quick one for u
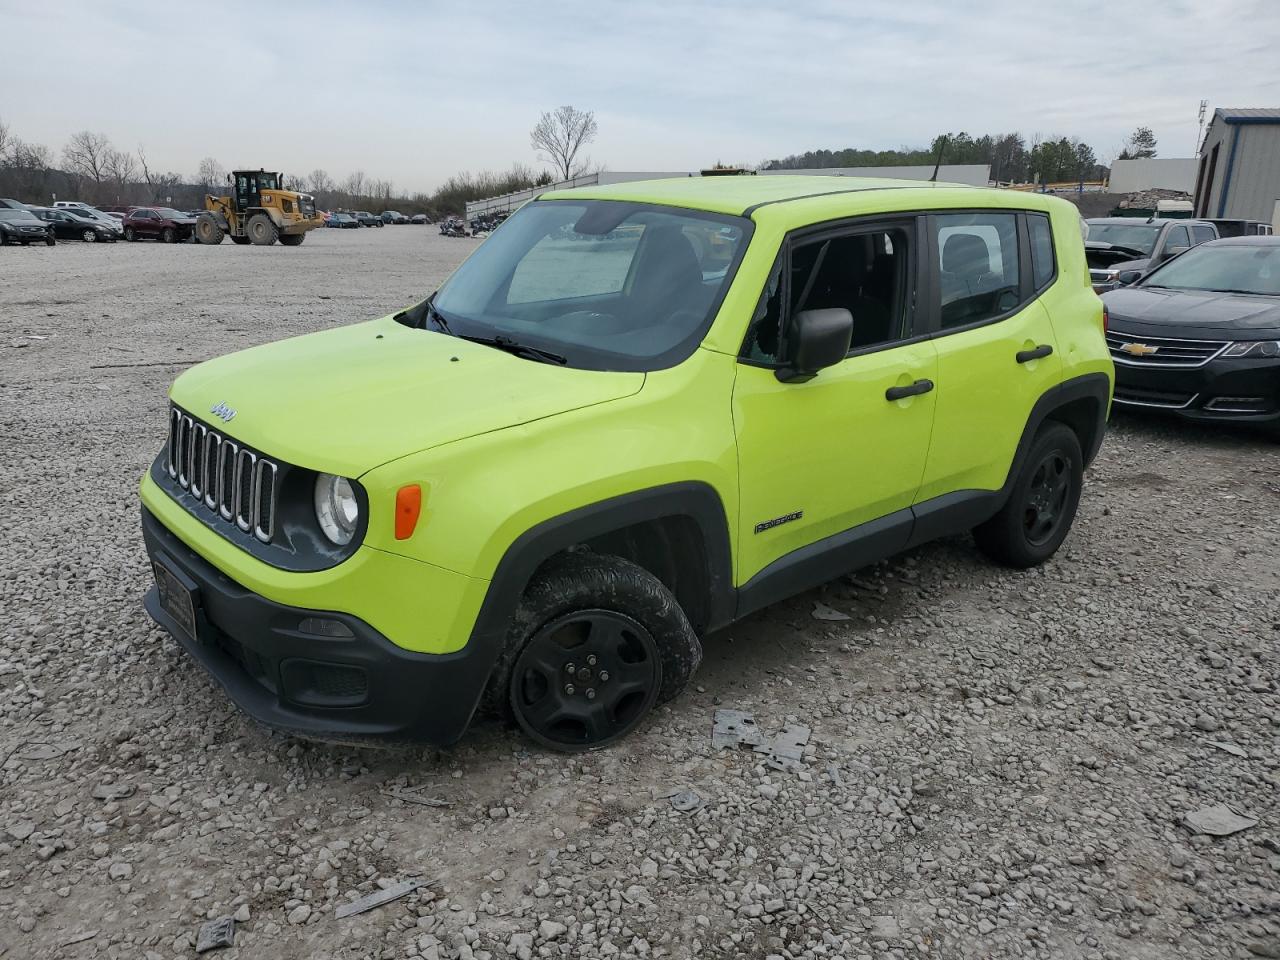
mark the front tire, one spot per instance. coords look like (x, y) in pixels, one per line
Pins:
(292, 239)
(209, 230)
(1037, 517)
(89, 236)
(129, 234)
(169, 235)
(595, 643)
(261, 231)
(49, 241)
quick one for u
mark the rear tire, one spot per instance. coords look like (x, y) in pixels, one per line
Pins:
(292, 239)
(1037, 516)
(261, 231)
(209, 230)
(621, 631)
(129, 234)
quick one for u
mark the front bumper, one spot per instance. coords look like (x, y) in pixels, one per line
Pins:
(330, 688)
(1246, 391)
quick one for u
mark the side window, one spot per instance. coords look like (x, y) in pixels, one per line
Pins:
(866, 273)
(762, 342)
(977, 266)
(1178, 237)
(1201, 233)
(1043, 265)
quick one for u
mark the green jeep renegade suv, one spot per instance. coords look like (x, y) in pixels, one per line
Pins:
(635, 414)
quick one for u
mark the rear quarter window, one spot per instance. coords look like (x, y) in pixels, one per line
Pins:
(1044, 264)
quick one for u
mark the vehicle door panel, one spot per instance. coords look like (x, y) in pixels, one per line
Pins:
(819, 458)
(985, 395)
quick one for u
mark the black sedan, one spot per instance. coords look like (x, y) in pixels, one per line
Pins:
(69, 224)
(1199, 336)
(24, 227)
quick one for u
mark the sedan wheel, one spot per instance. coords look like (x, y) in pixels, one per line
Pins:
(89, 236)
(129, 234)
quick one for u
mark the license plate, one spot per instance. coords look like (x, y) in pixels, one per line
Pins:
(175, 598)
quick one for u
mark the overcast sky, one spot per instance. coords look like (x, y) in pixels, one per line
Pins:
(414, 91)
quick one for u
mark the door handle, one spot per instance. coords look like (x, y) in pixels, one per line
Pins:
(1039, 353)
(910, 390)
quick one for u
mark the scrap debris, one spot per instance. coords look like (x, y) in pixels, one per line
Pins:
(786, 750)
(408, 796)
(686, 801)
(1218, 821)
(735, 728)
(215, 934)
(823, 612)
(379, 897)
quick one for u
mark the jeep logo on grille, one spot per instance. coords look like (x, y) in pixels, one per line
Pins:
(223, 412)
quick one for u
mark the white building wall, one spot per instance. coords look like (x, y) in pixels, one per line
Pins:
(970, 174)
(1163, 173)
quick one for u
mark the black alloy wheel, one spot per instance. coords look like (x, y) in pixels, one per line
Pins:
(1046, 500)
(586, 679)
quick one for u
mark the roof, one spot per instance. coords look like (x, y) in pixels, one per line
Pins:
(1253, 241)
(1247, 114)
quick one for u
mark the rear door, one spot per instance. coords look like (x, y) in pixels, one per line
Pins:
(997, 354)
(847, 448)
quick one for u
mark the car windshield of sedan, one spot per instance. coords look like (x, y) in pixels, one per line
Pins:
(1133, 236)
(20, 216)
(611, 285)
(1230, 268)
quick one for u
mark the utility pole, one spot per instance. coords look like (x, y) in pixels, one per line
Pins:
(1204, 106)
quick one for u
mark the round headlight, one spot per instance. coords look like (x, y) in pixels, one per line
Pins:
(337, 509)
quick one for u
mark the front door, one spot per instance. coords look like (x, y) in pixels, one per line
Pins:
(247, 194)
(997, 354)
(818, 459)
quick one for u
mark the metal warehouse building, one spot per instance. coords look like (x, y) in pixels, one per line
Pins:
(1239, 174)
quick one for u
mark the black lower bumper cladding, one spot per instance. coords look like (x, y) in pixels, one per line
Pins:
(1246, 391)
(314, 673)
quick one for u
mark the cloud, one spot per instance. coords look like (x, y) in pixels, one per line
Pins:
(417, 91)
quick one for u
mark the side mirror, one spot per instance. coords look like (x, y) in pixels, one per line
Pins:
(1126, 277)
(1172, 251)
(818, 339)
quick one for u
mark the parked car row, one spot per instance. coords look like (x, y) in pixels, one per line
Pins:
(349, 219)
(1121, 249)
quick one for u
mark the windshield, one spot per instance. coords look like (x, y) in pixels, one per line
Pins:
(1135, 236)
(268, 181)
(1236, 268)
(170, 214)
(611, 285)
(7, 213)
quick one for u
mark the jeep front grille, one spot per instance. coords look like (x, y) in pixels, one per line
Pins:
(223, 476)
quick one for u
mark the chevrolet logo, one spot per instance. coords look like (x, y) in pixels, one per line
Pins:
(1139, 349)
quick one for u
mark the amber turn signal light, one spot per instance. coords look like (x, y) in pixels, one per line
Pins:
(408, 506)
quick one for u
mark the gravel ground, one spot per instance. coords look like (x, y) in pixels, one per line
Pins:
(1000, 763)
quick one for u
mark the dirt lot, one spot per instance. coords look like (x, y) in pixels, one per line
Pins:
(1000, 766)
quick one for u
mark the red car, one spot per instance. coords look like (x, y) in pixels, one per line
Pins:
(157, 223)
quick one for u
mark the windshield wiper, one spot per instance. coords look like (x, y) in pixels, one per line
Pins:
(426, 310)
(501, 342)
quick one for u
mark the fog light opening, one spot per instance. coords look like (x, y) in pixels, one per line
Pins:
(324, 627)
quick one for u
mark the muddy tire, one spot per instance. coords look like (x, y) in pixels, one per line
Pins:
(261, 231)
(292, 239)
(594, 645)
(209, 230)
(1037, 516)
(239, 241)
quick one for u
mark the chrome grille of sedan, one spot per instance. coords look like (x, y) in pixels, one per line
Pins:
(223, 476)
(1138, 350)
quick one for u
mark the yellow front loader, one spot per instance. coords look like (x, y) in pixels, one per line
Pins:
(258, 211)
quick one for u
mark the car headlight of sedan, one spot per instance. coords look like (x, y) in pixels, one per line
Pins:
(337, 509)
(1254, 349)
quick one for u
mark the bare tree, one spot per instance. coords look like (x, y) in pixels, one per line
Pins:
(560, 135)
(121, 170)
(209, 172)
(86, 156)
(5, 140)
(320, 181)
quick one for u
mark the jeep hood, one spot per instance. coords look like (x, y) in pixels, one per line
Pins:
(347, 400)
